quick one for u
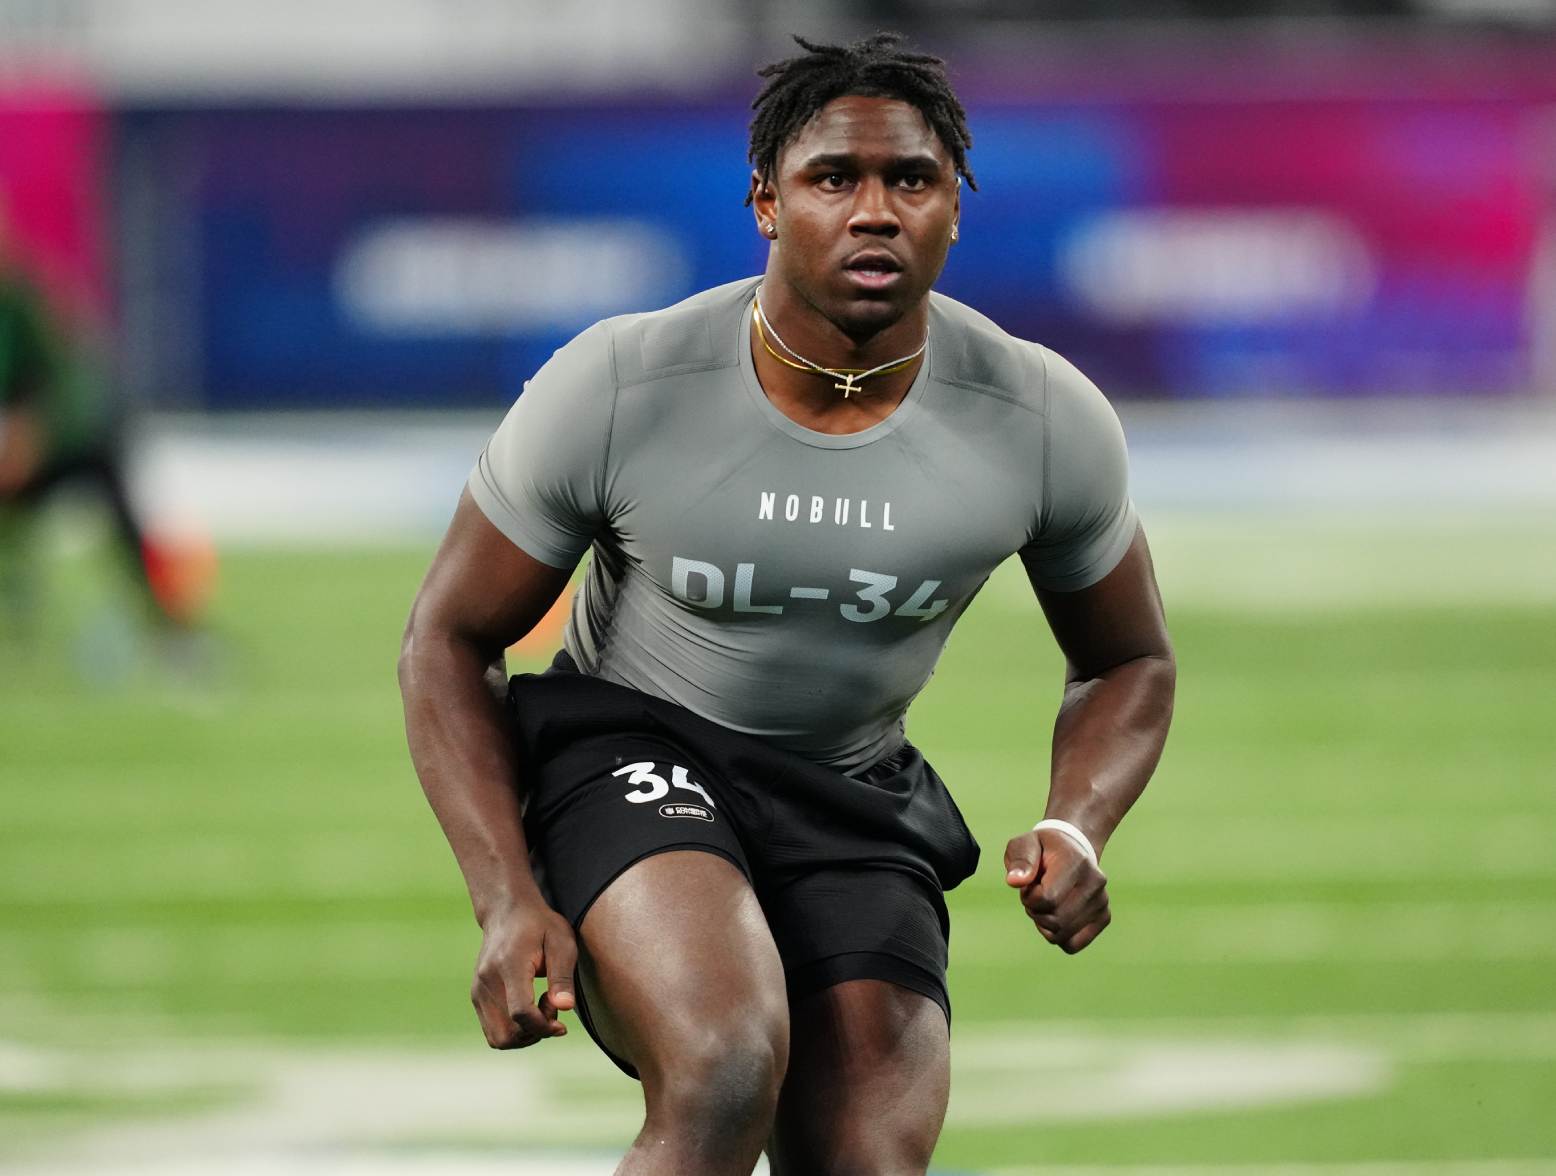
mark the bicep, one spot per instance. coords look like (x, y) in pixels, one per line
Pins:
(482, 588)
(1115, 620)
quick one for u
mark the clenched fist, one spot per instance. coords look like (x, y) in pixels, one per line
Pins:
(1062, 887)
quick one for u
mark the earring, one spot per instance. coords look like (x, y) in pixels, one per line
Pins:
(772, 229)
(954, 232)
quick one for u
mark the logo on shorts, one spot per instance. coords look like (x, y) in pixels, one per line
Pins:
(695, 811)
(649, 785)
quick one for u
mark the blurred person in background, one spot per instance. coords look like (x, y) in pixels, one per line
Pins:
(61, 426)
(732, 837)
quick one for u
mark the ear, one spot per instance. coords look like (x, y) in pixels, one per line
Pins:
(764, 204)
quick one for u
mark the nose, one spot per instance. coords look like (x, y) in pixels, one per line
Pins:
(873, 213)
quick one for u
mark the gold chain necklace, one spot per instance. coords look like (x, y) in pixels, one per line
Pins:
(850, 377)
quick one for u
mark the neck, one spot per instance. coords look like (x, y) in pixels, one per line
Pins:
(839, 344)
(826, 402)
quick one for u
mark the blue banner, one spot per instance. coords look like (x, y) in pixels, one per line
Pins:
(418, 258)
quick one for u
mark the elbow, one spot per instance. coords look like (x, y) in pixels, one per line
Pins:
(1161, 674)
(1153, 681)
(405, 664)
(432, 655)
(402, 665)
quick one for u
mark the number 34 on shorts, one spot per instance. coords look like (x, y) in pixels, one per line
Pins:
(648, 784)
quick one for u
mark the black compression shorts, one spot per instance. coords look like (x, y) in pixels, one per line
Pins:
(849, 870)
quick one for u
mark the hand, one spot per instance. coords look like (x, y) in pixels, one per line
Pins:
(1063, 891)
(516, 947)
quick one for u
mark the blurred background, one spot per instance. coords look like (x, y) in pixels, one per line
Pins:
(269, 275)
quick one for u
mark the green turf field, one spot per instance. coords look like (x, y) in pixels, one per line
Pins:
(1335, 910)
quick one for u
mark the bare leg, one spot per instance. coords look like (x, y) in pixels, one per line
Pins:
(683, 981)
(867, 1086)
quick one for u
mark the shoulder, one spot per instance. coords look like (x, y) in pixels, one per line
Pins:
(699, 333)
(972, 351)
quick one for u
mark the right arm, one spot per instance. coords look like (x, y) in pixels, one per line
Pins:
(481, 595)
(533, 505)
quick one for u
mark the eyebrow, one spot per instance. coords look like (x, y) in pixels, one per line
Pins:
(845, 159)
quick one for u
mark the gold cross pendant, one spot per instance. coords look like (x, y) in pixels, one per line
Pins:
(846, 386)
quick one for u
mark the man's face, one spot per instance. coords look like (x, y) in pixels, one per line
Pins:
(864, 199)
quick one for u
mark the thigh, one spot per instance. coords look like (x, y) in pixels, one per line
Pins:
(867, 1083)
(641, 850)
(869, 1017)
(680, 974)
(861, 923)
(607, 803)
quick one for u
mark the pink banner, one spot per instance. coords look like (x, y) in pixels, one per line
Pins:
(51, 193)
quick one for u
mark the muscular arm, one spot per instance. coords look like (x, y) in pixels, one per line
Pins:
(481, 594)
(1112, 724)
(1118, 693)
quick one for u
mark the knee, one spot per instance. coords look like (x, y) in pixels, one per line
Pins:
(905, 1153)
(719, 1083)
(895, 1149)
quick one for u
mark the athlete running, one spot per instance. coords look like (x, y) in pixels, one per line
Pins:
(704, 826)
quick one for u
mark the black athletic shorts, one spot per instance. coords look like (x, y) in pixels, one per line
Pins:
(849, 870)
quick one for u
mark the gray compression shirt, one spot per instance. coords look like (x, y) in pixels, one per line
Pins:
(789, 584)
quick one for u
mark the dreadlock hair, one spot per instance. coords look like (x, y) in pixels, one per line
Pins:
(874, 68)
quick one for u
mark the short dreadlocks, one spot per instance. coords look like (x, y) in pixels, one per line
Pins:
(873, 67)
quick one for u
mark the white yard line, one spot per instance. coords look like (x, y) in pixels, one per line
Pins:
(345, 1112)
(1406, 1037)
(357, 1107)
(1084, 1081)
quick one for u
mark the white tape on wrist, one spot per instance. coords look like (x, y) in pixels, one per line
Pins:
(1070, 831)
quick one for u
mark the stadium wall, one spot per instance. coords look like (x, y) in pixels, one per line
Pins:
(1232, 238)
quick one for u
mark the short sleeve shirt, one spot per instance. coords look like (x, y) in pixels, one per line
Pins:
(794, 585)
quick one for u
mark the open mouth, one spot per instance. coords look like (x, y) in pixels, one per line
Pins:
(873, 263)
(873, 270)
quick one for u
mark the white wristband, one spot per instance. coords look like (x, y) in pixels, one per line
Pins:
(1070, 831)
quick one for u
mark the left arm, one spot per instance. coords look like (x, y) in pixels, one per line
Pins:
(1112, 724)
